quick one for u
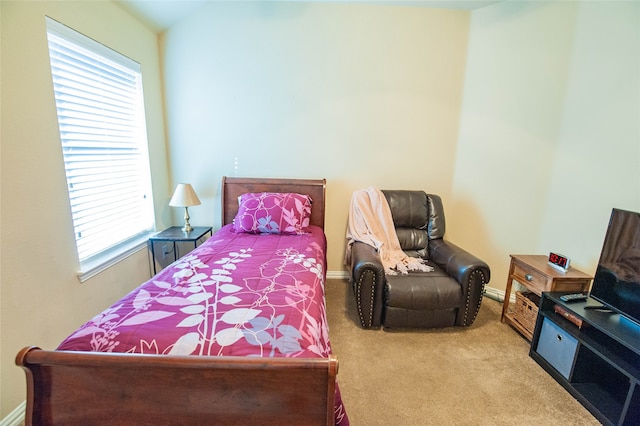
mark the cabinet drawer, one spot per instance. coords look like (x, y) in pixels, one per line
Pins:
(557, 347)
(533, 279)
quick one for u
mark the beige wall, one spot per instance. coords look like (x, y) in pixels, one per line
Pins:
(550, 130)
(358, 94)
(490, 109)
(524, 118)
(42, 301)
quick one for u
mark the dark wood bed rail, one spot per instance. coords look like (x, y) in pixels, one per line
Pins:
(81, 388)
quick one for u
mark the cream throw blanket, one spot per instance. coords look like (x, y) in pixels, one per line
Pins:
(370, 222)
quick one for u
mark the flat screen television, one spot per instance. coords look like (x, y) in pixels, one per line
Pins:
(617, 280)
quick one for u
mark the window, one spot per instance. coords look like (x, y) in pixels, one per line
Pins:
(100, 109)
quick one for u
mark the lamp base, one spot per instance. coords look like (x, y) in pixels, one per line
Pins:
(187, 227)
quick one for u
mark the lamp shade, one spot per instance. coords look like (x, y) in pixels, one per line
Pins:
(184, 196)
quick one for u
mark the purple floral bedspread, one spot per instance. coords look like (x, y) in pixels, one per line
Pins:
(237, 294)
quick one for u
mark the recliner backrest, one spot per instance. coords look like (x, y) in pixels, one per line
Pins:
(418, 218)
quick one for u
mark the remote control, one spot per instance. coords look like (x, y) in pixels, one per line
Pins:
(574, 297)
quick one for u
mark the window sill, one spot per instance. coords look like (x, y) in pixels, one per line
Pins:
(98, 264)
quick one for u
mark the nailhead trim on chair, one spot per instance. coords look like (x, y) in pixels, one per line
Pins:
(466, 309)
(370, 323)
(358, 294)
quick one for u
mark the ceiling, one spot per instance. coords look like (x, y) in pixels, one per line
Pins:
(160, 15)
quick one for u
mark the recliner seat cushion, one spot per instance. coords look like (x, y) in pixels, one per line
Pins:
(423, 291)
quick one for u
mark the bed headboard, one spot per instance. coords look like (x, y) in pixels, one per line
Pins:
(233, 187)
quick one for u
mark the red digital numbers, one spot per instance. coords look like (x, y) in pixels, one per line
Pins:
(558, 260)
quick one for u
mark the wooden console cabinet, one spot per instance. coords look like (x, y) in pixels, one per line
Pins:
(533, 272)
(597, 362)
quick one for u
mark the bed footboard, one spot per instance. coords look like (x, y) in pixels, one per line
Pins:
(74, 388)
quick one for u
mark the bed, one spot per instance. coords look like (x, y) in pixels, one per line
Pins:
(249, 302)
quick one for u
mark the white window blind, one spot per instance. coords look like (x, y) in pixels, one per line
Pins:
(100, 109)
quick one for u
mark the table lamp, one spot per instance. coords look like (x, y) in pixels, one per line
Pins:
(185, 196)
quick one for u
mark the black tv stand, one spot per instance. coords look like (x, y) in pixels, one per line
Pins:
(593, 354)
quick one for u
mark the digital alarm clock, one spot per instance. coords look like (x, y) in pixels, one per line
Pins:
(559, 261)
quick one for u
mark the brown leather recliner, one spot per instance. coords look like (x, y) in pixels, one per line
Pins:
(448, 296)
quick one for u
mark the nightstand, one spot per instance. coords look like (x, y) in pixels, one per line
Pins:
(174, 235)
(535, 273)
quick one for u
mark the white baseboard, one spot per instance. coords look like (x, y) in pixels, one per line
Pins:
(16, 417)
(337, 275)
(495, 294)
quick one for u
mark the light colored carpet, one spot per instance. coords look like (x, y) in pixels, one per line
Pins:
(480, 375)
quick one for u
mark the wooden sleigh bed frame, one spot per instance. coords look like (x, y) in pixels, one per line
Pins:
(73, 388)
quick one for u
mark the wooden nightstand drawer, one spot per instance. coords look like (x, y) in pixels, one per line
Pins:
(534, 280)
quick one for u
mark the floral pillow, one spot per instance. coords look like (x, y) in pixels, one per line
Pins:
(273, 213)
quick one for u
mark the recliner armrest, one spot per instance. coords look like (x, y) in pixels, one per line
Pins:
(367, 274)
(471, 272)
